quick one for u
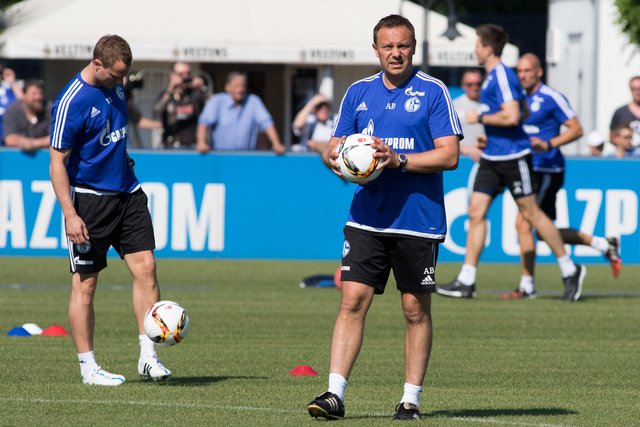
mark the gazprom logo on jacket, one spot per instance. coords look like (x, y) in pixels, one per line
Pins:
(369, 129)
(410, 92)
(402, 143)
(107, 137)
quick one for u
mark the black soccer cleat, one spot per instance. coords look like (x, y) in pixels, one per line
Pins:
(406, 411)
(328, 406)
(573, 284)
(457, 289)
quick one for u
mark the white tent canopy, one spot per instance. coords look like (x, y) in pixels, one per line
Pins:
(240, 31)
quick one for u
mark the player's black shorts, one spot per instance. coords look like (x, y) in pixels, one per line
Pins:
(121, 220)
(548, 184)
(516, 174)
(369, 257)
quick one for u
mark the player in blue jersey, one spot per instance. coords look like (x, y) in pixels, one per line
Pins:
(396, 221)
(505, 162)
(102, 202)
(549, 111)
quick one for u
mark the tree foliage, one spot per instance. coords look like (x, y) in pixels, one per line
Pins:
(629, 19)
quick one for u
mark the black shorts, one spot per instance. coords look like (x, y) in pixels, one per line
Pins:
(548, 183)
(369, 257)
(122, 221)
(515, 174)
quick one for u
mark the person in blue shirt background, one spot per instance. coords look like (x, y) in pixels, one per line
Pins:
(396, 221)
(235, 119)
(102, 202)
(549, 113)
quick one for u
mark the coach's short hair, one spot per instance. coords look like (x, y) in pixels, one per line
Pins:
(111, 49)
(493, 35)
(393, 21)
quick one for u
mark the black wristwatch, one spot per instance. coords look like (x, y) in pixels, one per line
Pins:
(403, 162)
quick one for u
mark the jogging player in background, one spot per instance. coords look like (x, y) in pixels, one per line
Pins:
(506, 161)
(102, 201)
(396, 221)
(549, 111)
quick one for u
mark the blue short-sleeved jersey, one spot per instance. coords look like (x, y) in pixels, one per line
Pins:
(501, 85)
(408, 118)
(92, 122)
(548, 110)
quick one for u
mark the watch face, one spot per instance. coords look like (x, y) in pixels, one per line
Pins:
(403, 161)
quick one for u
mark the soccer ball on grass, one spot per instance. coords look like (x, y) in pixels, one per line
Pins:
(166, 323)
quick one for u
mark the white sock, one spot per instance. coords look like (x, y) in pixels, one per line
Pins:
(411, 394)
(527, 284)
(567, 267)
(147, 347)
(467, 275)
(337, 385)
(600, 244)
(87, 363)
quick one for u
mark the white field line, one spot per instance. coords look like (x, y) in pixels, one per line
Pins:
(140, 403)
(246, 408)
(505, 422)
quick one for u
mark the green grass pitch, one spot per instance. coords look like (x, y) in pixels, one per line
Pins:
(494, 363)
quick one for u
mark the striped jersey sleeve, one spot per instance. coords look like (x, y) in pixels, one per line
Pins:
(445, 120)
(564, 111)
(66, 122)
(508, 90)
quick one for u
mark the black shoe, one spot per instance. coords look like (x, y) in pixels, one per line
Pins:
(573, 284)
(457, 289)
(407, 411)
(613, 256)
(328, 406)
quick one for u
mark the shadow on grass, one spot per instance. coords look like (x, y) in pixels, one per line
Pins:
(388, 416)
(611, 295)
(593, 297)
(477, 413)
(203, 380)
(505, 412)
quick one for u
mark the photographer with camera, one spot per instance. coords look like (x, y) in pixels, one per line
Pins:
(179, 106)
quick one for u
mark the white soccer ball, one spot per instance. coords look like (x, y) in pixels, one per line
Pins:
(166, 323)
(355, 159)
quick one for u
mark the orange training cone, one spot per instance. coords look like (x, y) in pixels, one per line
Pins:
(55, 331)
(303, 370)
